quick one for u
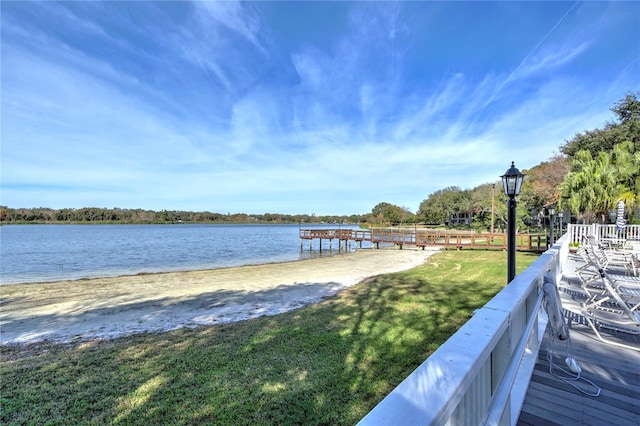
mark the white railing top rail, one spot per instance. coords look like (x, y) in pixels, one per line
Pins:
(485, 366)
(630, 233)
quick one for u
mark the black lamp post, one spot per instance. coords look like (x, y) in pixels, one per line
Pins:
(512, 181)
(561, 222)
(552, 224)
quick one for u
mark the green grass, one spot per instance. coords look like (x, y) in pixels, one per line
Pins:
(328, 363)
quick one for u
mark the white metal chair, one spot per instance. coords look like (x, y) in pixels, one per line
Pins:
(613, 300)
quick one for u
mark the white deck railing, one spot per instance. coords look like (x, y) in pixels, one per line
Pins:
(630, 233)
(481, 374)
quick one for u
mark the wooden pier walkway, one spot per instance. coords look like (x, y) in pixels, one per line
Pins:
(423, 238)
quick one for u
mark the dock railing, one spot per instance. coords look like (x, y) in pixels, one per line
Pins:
(481, 374)
(425, 238)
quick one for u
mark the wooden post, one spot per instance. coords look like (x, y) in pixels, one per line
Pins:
(493, 190)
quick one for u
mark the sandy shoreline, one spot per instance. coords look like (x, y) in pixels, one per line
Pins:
(102, 308)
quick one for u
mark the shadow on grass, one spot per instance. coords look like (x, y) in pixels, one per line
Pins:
(327, 363)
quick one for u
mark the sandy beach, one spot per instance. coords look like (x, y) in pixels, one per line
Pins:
(103, 308)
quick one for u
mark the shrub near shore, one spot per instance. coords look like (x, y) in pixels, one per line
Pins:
(327, 363)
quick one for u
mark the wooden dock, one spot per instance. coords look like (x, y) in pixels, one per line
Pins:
(422, 239)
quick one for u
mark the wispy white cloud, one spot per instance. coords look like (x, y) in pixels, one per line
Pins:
(234, 15)
(543, 56)
(223, 37)
(547, 60)
(220, 116)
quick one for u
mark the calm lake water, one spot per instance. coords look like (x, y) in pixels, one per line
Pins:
(33, 253)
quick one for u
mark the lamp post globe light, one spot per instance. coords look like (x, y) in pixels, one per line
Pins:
(512, 182)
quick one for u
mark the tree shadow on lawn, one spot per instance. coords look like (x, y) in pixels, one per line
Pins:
(327, 363)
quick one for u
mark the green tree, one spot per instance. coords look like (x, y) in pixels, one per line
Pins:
(592, 187)
(625, 129)
(484, 200)
(441, 205)
(540, 186)
(388, 213)
(627, 164)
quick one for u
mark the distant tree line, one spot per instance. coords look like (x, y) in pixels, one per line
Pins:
(118, 215)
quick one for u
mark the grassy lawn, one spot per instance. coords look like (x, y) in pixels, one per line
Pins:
(328, 363)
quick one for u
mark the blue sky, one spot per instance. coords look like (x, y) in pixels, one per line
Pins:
(297, 107)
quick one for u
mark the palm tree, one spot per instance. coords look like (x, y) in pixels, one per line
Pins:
(596, 184)
(592, 186)
(628, 167)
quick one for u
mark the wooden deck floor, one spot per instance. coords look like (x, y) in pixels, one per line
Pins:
(615, 370)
